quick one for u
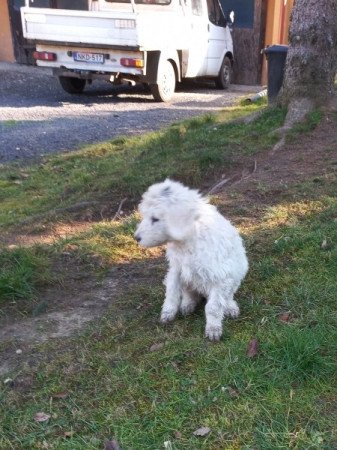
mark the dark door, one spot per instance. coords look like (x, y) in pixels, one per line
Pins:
(23, 49)
(248, 38)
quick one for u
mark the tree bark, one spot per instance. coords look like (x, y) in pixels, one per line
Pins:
(312, 58)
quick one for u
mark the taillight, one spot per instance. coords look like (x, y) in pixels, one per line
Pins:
(44, 56)
(132, 62)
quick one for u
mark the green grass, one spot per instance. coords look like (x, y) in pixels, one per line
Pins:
(22, 272)
(310, 124)
(9, 123)
(116, 386)
(284, 398)
(125, 167)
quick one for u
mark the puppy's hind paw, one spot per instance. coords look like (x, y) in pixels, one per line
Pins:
(213, 333)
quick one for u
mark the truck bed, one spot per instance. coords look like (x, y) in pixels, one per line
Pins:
(80, 27)
(143, 29)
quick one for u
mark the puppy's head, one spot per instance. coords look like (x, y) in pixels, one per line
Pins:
(169, 211)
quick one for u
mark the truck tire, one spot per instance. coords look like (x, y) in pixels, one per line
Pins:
(223, 80)
(163, 91)
(72, 85)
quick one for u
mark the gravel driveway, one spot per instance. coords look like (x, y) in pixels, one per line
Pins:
(37, 117)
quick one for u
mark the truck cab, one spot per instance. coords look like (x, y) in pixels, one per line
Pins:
(156, 42)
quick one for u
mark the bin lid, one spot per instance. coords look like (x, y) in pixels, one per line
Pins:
(276, 49)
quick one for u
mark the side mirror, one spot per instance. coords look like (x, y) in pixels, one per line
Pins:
(230, 21)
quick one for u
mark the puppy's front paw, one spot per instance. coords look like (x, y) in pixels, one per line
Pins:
(213, 333)
(167, 315)
(232, 310)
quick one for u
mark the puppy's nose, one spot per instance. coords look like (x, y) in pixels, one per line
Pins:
(138, 238)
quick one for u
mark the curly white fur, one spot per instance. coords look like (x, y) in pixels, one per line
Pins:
(205, 252)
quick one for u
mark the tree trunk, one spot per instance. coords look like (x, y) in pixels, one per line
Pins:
(312, 57)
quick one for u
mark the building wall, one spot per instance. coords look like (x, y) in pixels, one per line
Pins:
(6, 43)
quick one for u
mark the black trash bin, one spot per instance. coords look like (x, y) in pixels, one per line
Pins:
(276, 59)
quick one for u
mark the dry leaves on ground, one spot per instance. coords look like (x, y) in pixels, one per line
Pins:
(253, 348)
(41, 417)
(112, 445)
(203, 431)
(285, 317)
(60, 395)
(156, 347)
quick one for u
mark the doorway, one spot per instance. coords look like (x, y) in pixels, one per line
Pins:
(248, 38)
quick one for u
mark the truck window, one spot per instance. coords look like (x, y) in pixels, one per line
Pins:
(36, 3)
(142, 2)
(215, 13)
(196, 7)
(74, 4)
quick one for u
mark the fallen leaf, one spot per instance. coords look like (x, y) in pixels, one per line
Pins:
(112, 445)
(233, 392)
(41, 417)
(203, 431)
(60, 395)
(68, 434)
(253, 348)
(324, 244)
(284, 317)
(43, 445)
(156, 347)
(178, 435)
(71, 247)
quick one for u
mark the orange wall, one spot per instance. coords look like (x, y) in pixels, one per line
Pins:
(6, 43)
(277, 26)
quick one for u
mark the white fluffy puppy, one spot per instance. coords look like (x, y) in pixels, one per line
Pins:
(205, 252)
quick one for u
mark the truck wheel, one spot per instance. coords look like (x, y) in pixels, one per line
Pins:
(223, 80)
(164, 90)
(72, 85)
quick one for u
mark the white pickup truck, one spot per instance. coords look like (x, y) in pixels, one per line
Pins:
(155, 42)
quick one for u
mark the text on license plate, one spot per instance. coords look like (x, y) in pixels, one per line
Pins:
(88, 57)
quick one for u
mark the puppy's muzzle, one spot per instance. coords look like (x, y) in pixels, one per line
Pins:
(137, 237)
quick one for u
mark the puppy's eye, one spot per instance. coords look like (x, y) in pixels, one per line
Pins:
(154, 219)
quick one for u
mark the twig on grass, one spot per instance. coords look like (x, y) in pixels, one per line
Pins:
(220, 184)
(119, 209)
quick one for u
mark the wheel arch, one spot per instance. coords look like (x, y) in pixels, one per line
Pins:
(153, 60)
(230, 56)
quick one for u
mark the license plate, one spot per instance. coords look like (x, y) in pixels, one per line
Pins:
(88, 57)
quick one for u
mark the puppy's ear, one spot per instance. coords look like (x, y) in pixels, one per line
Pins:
(166, 192)
(180, 220)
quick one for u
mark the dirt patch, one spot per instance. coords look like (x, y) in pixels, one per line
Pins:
(256, 183)
(69, 314)
(70, 307)
(264, 179)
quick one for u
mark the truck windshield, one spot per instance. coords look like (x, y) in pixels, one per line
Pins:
(142, 2)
